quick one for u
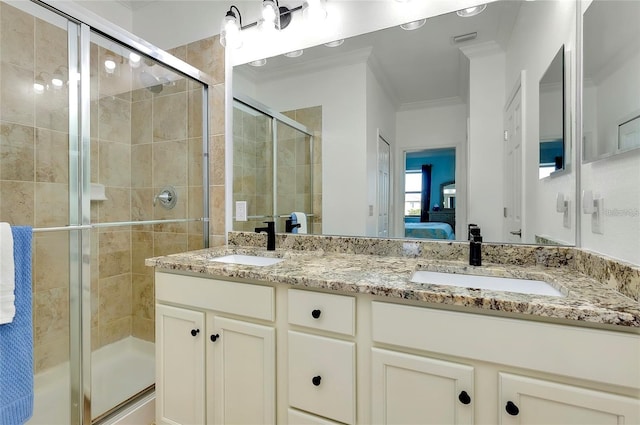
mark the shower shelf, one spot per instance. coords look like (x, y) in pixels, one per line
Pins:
(98, 192)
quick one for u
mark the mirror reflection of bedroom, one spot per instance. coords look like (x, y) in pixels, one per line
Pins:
(430, 194)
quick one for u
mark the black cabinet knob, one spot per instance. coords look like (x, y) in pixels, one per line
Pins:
(464, 398)
(512, 409)
(316, 313)
(316, 380)
(195, 332)
(214, 337)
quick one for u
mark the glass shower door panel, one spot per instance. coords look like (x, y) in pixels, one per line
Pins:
(147, 168)
(34, 183)
(294, 175)
(252, 165)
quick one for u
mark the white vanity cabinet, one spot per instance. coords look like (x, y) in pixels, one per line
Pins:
(529, 401)
(215, 356)
(321, 367)
(410, 389)
(535, 373)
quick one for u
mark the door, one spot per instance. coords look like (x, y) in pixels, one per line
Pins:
(408, 389)
(241, 378)
(513, 167)
(180, 387)
(384, 197)
(532, 401)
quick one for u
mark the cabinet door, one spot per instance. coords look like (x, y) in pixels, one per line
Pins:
(241, 374)
(533, 401)
(408, 389)
(179, 365)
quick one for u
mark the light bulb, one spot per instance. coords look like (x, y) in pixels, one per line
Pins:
(269, 12)
(134, 60)
(109, 65)
(410, 26)
(471, 11)
(294, 54)
(230, 31)
(56, 82)
(259, 62)
(38, 87)
(314, 11)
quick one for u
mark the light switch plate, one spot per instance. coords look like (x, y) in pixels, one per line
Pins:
(241, 210)
(597, 216)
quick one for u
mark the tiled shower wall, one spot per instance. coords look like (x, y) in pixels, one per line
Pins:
(140, 142)
(253, 172)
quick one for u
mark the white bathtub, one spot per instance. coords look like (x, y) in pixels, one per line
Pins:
(119, 371)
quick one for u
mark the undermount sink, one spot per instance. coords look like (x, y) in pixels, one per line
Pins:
(523, 286)
(247, 260)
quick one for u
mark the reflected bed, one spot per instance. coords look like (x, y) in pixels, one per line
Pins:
(429, 230)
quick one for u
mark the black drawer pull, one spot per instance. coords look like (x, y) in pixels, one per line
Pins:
(316, 314)
(464, 398)
(512, 409)
(316, 380)
(195, 332)
(214, 337)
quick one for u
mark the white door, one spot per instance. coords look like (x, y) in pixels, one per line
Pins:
(180, 387)
(384, 196)
(408, 389)
(513, 167)
(241, 378)
(532, 401)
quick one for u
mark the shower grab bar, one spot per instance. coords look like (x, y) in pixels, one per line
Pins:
(116, 224)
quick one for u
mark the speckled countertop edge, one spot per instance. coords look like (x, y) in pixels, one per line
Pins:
(587, 301)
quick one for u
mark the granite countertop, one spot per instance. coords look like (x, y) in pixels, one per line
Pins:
(586, 301)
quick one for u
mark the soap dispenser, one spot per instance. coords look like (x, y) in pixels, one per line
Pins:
(475, 246)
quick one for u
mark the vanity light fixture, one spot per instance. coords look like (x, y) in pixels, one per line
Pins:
(294, 54)
(134, 60)
(39, 85)
(410, 26)
(58, 79)
(335, 43)
(110, 64)
(471, 11)
(274, 17)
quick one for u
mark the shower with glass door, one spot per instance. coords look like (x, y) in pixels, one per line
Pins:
(103, 141)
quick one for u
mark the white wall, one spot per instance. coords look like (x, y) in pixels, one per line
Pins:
(485, 147)
(541, 28)
(341, 92)
(440, 126)
(381, 116)
(615, 179)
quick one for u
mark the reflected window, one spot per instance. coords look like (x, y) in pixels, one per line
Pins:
(412, 192)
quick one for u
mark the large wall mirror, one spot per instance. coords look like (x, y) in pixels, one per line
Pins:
(611, 87)
(454, 83)
(552, 118)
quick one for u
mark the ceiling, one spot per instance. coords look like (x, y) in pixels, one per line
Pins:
(402, 59)
(135, 4)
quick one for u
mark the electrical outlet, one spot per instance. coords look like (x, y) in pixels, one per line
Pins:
(241, 210)
(370, 210)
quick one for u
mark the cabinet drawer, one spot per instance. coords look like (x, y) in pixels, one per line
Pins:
(322, 376)
(243, 299)
(327, 312)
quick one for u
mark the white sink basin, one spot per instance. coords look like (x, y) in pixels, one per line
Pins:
(523, 286)
(247, 260)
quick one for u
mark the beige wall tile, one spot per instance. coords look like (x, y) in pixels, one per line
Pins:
(16, 105)
(194, 161)
(52, 204)
(51, 259)
(144, 329)
(170, 163)
(207, 55)
(115, 331)
(216, 109)
(142, 204)
(217, 160)
(52, 156)
(141, 172)
(115, 298)
(141, 122)
(143, 296)
(115, 253)
(169, 243)
(17, 202)
(16, 36)
(51, 314)
(141, 248)
(117, 207)
(169, 117)
(194, 120)
(17, 152)
(114, 120)
(49, 354)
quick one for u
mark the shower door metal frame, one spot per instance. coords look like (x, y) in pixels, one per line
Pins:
(80, 26)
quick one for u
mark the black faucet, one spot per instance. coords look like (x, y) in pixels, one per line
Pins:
(271, 234)
(289, 226)
(475, 246)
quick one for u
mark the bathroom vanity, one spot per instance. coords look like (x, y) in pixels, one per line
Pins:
(331, 338)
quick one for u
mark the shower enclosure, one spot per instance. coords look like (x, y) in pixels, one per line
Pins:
(103, 140)
(277, 166)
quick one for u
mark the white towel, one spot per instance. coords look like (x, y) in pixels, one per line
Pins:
(302, 220)
(7, 275)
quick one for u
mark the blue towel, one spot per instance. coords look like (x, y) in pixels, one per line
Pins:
(294, 221)
(16, 340)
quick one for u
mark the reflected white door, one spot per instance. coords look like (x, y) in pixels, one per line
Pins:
(513, 167)
(384, 198)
